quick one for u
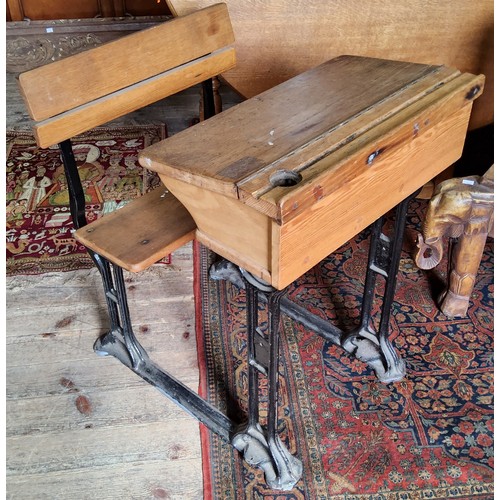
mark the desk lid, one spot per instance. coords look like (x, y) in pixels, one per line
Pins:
(286, 148)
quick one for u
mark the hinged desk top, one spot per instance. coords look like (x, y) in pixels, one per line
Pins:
(294, 126)
(357, 134)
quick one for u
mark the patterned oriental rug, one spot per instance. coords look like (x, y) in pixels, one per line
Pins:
(428, 436)
(39, 226)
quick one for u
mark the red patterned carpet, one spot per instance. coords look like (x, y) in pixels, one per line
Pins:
(428, 436)
(38, 220)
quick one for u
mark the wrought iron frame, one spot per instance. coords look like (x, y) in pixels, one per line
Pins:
(260, 447)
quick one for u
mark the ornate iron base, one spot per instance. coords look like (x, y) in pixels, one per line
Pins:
(262, 447)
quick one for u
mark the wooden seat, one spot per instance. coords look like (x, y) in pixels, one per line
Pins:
(86, 90)
(142, 232)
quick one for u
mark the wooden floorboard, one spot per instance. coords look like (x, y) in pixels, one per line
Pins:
(80, 426)
(146, 479)
(117, 406)
(76, 422)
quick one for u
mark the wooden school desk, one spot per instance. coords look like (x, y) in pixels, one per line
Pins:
(280, 181)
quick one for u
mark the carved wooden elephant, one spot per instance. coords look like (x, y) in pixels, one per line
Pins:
(459, 208)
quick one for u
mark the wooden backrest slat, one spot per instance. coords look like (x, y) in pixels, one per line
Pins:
(82, 78)
(99, 111)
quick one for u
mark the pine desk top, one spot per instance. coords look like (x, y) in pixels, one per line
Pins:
(347, 140)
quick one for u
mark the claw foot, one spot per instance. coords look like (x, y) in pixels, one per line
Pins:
(281, 469)
(363, 344)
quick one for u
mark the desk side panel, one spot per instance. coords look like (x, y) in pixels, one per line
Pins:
(336, 218)
(227, 226)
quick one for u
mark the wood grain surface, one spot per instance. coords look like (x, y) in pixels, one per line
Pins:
(82, 426)
(350, 102)
(88, 89)
(147, 229)
(292, 187)
(280, 39)
(82, 78)
(139, 95)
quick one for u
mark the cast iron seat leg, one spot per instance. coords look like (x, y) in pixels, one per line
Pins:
(77, 209)
(369, 343)
(116, 301)
(263, 448)
(120, 341)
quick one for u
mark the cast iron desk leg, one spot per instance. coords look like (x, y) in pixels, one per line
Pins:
(264, 448)
(120, 339)
(368, 344)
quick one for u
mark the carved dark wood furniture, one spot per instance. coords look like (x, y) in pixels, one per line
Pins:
(40, 32)
(273, 185)
(17, 10)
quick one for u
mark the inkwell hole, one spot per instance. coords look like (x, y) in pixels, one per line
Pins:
(285, 178)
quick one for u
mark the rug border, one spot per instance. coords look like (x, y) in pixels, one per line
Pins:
(202, 365)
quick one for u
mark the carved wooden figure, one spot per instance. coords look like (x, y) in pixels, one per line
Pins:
(459, 208)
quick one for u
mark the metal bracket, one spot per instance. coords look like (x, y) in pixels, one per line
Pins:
(260, 352)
